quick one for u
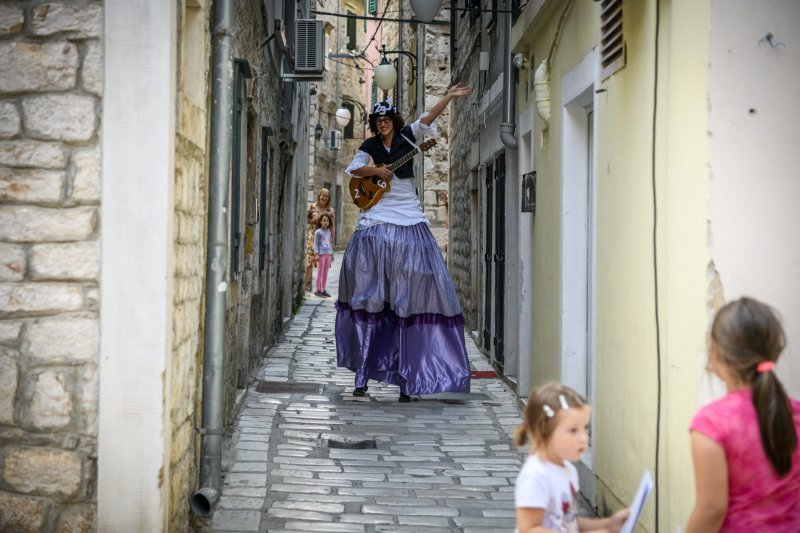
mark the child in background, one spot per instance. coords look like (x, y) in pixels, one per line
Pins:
(324, 252)
(557, 423)
(744, 445)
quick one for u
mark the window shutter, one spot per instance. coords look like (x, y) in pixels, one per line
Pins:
(372, 7)
(374, 93)
(612, 43)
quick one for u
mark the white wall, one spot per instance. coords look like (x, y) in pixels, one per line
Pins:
(754, 124)
(137, 264)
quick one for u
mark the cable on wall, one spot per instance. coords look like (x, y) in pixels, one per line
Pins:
(655, 265)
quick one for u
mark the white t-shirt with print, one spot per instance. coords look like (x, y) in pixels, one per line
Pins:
(545, 485)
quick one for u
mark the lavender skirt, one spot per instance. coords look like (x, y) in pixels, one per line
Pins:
(398, 318)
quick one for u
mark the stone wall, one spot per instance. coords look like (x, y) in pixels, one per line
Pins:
(351, 75)
(50, 95)
(465, 130)
(191, 207)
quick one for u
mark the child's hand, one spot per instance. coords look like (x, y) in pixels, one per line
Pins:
(618, 519)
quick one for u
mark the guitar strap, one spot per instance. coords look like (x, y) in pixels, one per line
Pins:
(411, 142)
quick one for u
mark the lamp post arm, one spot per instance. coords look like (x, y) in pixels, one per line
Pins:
(410, 55)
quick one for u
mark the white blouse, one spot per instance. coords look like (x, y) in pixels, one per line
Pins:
(400, 205)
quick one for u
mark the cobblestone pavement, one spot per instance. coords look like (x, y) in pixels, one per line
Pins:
(308, 456)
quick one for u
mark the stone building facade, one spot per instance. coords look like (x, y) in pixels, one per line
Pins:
(56, 111)
(50, 94)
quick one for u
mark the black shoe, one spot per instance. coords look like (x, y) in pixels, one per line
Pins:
(317, 293)
(325, 294)
(404, 398)
(360, 391)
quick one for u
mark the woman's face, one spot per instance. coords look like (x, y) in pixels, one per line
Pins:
(324, 198)
(385, 125)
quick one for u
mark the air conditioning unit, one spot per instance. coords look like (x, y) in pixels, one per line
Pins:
(309, 46)
(335, 140)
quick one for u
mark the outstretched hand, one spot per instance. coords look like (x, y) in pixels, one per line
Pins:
(459, 90)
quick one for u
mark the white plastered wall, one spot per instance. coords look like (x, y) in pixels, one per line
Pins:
(137, 264)
(754, 88)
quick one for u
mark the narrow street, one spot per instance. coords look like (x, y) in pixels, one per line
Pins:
(308, 456)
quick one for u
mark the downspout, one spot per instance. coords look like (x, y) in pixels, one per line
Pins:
(508, 125)
(204, 500)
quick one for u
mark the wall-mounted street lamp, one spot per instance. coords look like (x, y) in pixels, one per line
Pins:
(343, 116)
(318, 131)
(346, 112)
(385, 73)
(426, 10)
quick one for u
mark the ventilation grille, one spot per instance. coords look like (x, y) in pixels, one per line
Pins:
(309, 46)
(612, 43)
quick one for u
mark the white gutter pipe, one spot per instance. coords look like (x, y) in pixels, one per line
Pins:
(508, 125)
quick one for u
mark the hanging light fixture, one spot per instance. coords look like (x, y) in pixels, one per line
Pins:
(385, 74)
(426, 10)
(343, 116)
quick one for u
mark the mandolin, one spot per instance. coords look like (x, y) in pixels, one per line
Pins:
(366, 191)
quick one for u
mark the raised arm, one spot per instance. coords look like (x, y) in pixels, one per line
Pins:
(455, 90)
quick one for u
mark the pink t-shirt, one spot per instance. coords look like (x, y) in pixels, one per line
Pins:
(758, 500)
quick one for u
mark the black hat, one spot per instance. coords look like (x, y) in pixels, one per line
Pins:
(382, 108)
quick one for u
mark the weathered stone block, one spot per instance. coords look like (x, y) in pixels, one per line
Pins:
(61, 117)
(51, 403)
(63, 340)
(9, 332)
(12, 262)
(430, 198)
(12, 18)
(21, 514)
(88, 402)
(63, 261)
(9, 120)
(31, 185)
(9, 376)
(92, 70)
(86, 186)
(39, 297)
(25, 153)
(30, 66)
(43, 471)
(27, 223)
(78, 20)
(77, 519)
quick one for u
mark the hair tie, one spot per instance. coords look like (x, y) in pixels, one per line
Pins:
(765, 366)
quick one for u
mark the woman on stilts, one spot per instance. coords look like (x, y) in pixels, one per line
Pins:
(398, 318)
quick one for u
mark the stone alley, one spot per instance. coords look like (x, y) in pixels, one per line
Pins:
(306, 455)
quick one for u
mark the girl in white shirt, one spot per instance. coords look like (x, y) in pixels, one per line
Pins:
(557, 424)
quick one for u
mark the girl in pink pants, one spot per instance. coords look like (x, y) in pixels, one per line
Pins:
(323, 248)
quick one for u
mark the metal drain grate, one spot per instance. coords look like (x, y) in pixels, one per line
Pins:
(280, 386)
(350, 444)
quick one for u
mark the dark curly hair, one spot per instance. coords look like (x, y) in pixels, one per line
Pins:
(397, 120)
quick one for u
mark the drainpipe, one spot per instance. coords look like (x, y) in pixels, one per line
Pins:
(204, 500)
(508, 125)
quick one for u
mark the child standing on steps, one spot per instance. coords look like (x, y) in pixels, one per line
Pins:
(324, 252)
(745, 444)
(557, 424)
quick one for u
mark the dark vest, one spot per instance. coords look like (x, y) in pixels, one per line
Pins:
(400, 147)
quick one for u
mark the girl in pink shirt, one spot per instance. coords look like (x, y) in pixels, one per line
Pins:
(744, 445)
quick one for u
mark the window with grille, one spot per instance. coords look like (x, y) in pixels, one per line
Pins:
(612, 43)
